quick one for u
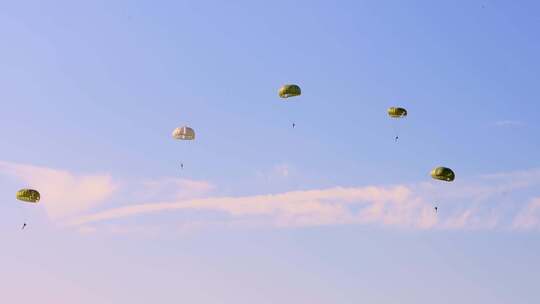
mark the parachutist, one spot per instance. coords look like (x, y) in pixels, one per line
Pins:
(397, 113)
(436, 209)
(24, 225)
(293, 125)
(181, 166)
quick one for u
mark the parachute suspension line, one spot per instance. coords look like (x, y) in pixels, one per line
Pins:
(396, 114)
(184, 133)
(21, 212)
(395, 128)
(443, 174)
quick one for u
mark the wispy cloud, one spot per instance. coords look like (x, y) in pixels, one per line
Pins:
(282, 170)
(62, 193)
(65, 194)
(471, 204)
(278, 172)
(377, 205)
(508, 123)
(172, 188)
(529, 217)
(468, 203)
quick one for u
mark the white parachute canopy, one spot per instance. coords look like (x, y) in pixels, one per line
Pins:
(183, 133)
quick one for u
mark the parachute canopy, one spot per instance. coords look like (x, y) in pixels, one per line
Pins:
(395, 112)
(28, 195)
(289, 90)
(184, 133)
(443, 173)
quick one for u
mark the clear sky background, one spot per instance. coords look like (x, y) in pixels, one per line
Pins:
(332, 211)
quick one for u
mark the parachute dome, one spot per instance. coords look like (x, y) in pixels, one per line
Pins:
(443, 173)
(28, 195)
(184, 133)
(397, 112)
(289, 90)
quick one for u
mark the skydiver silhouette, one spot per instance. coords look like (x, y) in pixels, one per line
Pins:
(397, 137)
(436, 209)
(181, 165)
(24, 225)
(293, 124)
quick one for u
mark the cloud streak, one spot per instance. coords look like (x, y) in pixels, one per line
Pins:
(474, 203)
(508, 123)
(62, 193)
(529, 217)
(470, 203)
(392, 206)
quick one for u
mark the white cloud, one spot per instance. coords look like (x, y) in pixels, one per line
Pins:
(282, 170)
(62, 193)
(529, 217)
(173, 188)
(508, 123)
(392, 206)
(65, 194)
(277, 173)
(469, 204)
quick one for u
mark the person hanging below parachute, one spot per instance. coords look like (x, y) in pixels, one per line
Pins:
(290, 90)
(183, 133)
(443, 174)
(28, 196)
(397, 113)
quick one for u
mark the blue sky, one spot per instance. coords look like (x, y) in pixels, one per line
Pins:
(332, 211)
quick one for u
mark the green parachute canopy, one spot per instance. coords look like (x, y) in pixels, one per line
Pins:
(289, 90)
(183, 133)
(396, 112)
(443, 173)
(28, 195)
